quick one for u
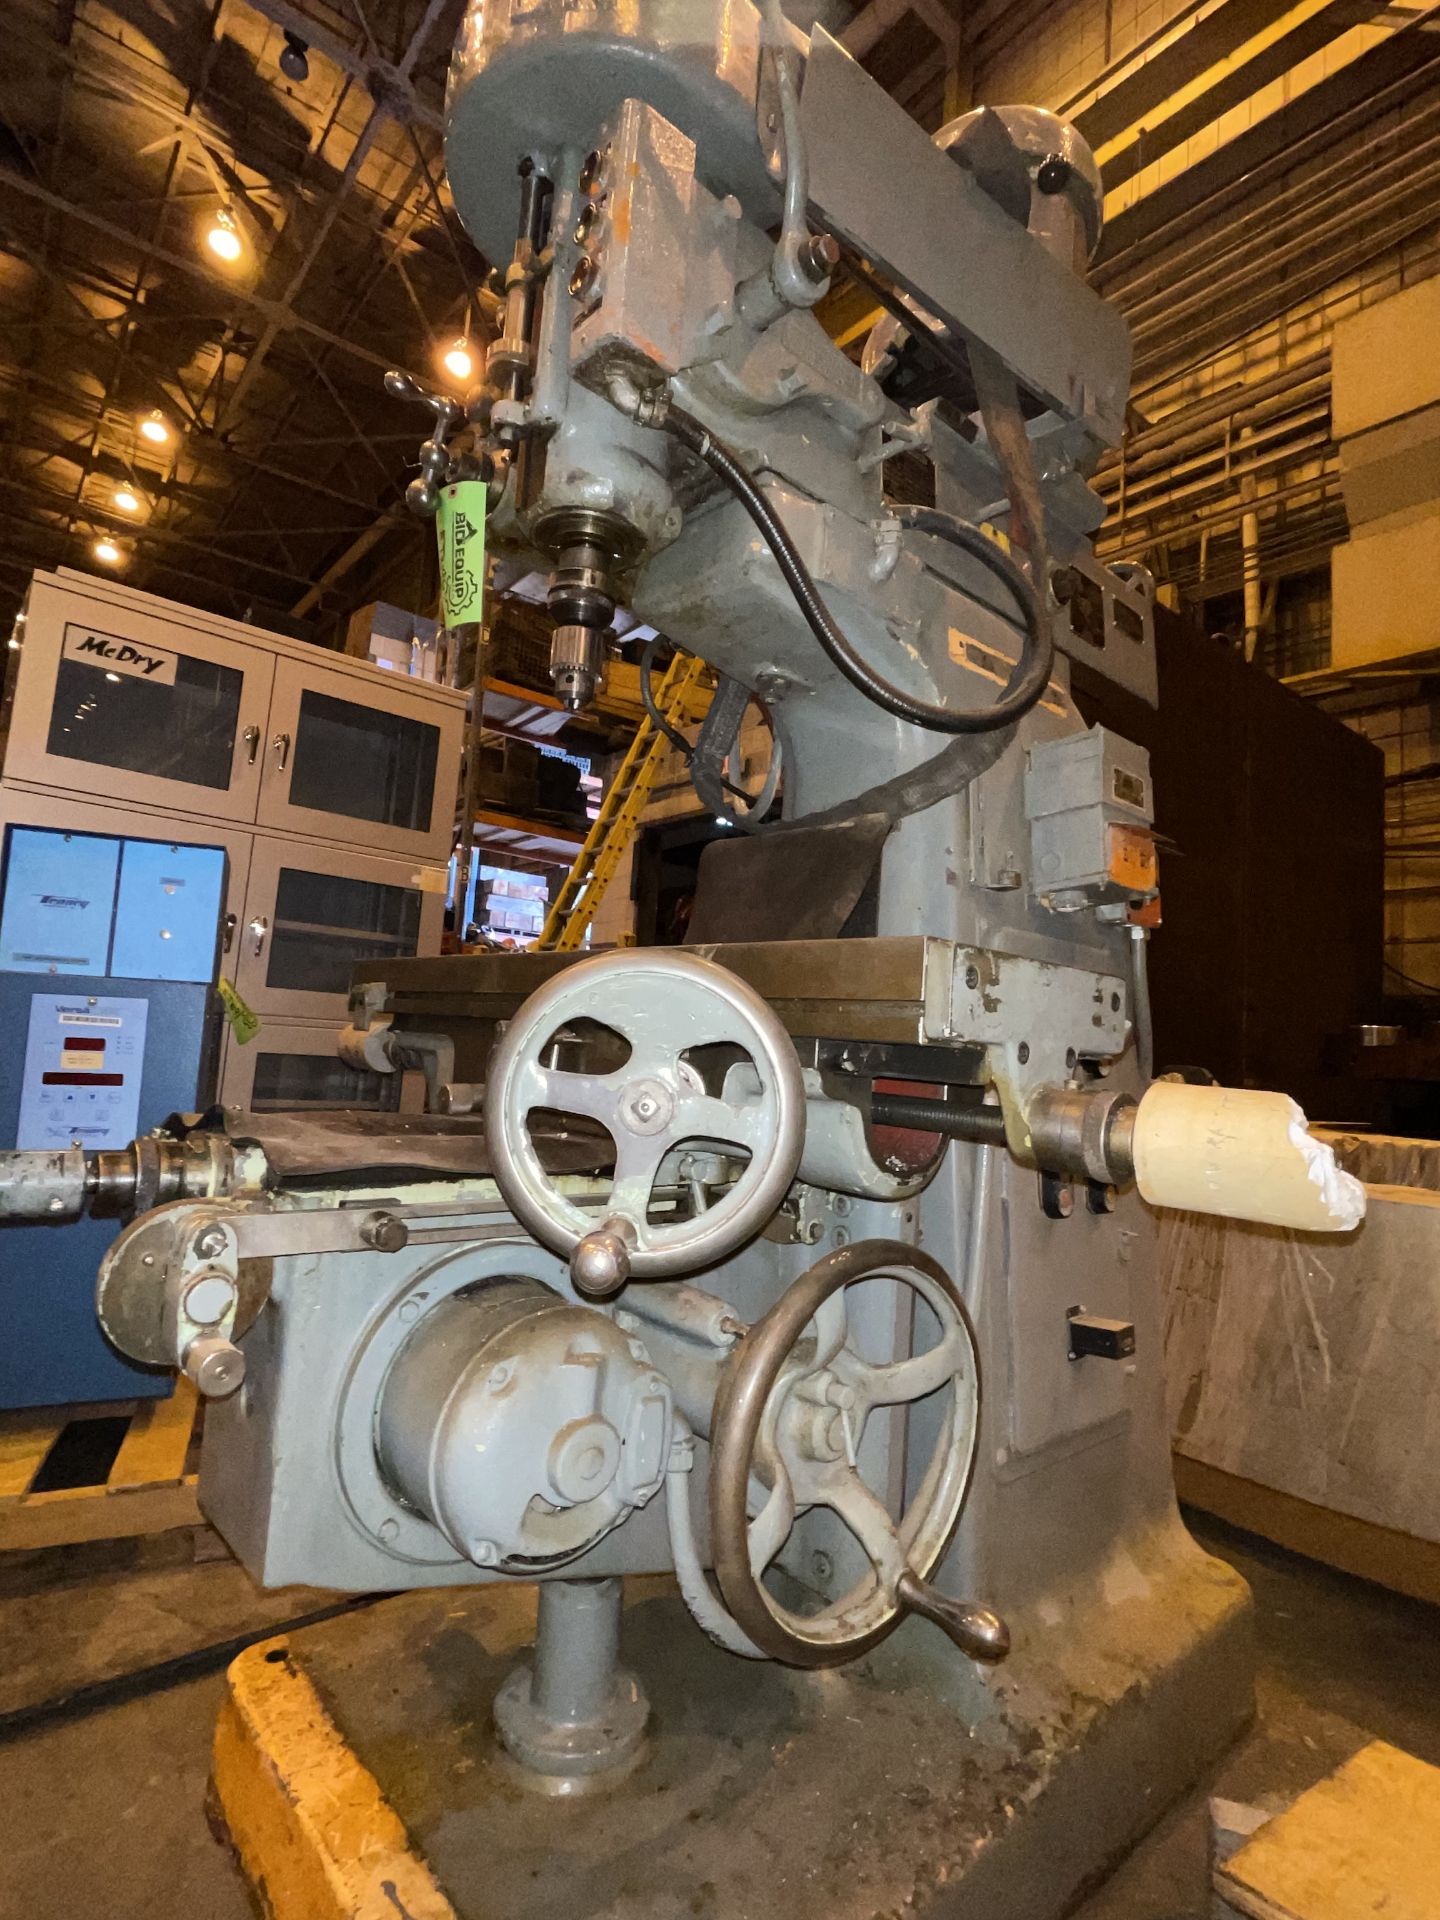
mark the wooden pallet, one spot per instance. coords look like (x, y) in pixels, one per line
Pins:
(147, 1488)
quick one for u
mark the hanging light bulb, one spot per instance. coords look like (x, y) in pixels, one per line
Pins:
(156, 428)
(127, 500)
(107, 551)
(223, 236)
(294, 60)
(458, 359)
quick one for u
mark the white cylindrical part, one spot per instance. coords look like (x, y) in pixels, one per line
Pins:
(1243, 1154)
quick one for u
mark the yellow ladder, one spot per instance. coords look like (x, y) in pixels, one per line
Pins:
(614, 826)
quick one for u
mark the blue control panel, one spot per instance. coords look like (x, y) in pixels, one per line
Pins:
(109, 947)
(89, 903)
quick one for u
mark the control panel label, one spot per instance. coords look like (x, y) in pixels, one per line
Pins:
(84, 1060)
(115, 656)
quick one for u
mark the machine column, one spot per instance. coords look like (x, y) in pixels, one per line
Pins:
(574, 1713)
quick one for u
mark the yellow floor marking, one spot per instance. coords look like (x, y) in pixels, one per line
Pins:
(316, 1837)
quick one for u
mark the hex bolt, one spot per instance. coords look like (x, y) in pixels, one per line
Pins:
(215, 1365)
(819, 256)
(484, 1553)
(209, 1243)
(208, 1298)
(972, 977)
(500, 1375)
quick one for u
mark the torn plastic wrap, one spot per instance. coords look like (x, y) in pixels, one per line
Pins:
(1241, 1153)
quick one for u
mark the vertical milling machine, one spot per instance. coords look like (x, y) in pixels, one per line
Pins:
(813, 1262)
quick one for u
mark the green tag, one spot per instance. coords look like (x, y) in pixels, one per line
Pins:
(244, 1021)
(460, 531)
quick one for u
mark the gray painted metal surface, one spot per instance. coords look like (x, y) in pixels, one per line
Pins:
(383, 1289)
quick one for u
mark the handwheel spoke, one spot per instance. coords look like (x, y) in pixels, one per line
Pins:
(899, 1381)
(651, 1058)
(637, 1161)
(595, 1096)
(847, 1496)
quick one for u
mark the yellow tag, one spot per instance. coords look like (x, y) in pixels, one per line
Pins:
(244, 1021)
(431, 879)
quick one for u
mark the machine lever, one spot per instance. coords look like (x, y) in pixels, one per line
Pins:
(228, 939)
(281, 744)
(976, 1631)
(259, 926)
(251, 737)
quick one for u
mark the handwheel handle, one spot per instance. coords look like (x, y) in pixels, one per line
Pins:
(976, 1631)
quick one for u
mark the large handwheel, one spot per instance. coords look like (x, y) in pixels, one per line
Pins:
(664, 1005)
(790, 1414)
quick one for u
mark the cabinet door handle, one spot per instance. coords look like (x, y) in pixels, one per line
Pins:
(251, 737)
(281, 744)
(259, 926)
(228, 941)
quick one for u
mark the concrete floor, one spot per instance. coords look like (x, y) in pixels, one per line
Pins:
(103, 1815)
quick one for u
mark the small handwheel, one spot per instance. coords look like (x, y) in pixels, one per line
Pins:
(666, 1006)
(790, 1414)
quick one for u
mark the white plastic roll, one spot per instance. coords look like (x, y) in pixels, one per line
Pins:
(1243, 1154)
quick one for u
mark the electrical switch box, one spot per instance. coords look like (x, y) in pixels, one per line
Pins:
(1092, 839)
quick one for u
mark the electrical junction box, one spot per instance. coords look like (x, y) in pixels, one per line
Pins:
(1092, 840)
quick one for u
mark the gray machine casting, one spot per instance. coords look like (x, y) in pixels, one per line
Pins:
(716, 1283)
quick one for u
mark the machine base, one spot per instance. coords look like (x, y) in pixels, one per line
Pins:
(358, 1773)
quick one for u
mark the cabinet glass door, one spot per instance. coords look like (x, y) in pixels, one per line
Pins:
(350, 760)
(313, 914)
(295, 1069)
(125, 706)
